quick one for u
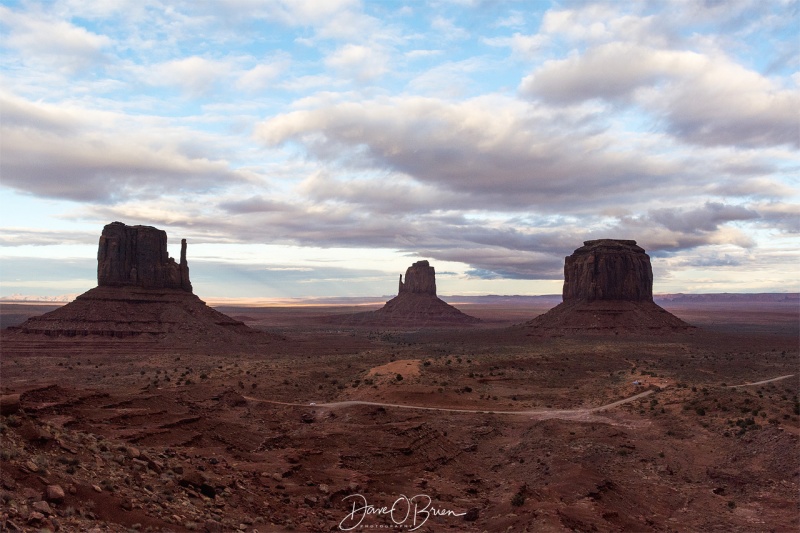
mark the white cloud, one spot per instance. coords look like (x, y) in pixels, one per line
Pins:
(450, 79)
(526, 46)
(702, 99)
(446, 29)
(361, 63)
(262, 75)
(58, 43)
(194, 75)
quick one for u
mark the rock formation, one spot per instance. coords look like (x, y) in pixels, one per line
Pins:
(137, 256)
(416, 304)
(608, 287)
(142, 294)
(608, 269)
(420, 279)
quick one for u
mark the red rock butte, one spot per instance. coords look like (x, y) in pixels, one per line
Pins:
(416, 304)
(608, 288)
(142, 295)
(137, 256)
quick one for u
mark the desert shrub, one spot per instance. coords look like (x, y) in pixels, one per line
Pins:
(518, 500)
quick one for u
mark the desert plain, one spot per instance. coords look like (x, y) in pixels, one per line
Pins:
(481, 427)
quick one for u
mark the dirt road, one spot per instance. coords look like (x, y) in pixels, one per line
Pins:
(584, 413)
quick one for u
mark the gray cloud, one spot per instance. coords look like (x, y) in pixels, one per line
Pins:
(502, 153)
(703, 219)
(254, 204)
(29, 237)
(703, 99)
(74, 154)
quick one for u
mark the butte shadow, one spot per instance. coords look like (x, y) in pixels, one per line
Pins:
(608, 288)
(416, 304)
(142, 295)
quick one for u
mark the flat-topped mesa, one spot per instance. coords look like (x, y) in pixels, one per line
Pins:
(420, 279)
(608, 269)
(137, 256)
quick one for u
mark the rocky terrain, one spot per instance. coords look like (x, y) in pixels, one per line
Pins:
(608, 288)
(268, 439)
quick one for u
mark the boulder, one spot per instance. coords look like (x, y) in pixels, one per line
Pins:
(54, 493)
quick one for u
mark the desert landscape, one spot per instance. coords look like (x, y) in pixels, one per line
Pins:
(172, 416)
(313, 266)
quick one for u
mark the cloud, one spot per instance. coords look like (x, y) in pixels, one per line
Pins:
(707, 218)
(498, 152)
(779, 215)
(254, 204)
(673, 229)
(194, 75)
(701, 99)
(525, 46)
(262, 75)
(78, 154)
(362, 63)
(58, 43)
(449, 80)
(496, 262)
(610, 71)
(12, 236)
(447, 29)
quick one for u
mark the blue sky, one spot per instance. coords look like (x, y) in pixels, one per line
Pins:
(310, 148)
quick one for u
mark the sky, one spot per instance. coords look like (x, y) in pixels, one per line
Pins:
(310, 148)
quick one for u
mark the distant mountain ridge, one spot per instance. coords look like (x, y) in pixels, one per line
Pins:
(730, 297)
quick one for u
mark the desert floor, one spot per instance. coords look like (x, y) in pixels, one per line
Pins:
(481, 428)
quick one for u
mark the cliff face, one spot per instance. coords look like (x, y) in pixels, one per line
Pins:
(420, 279)
(608, 288)
(137, 256)
(608, 269)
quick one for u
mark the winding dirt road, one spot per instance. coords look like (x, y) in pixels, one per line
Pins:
(761, 382)
(582, 414)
